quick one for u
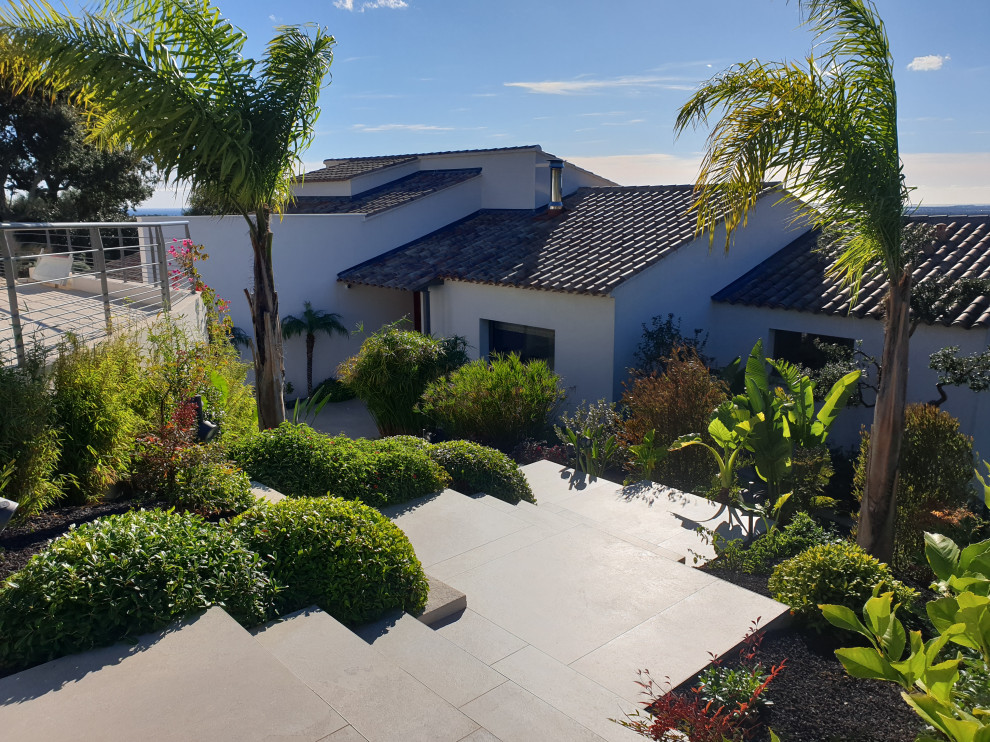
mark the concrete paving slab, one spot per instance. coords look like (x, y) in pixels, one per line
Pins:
(568, 691)
(675, 643)
(360, 683)
(516, 715)
(350, 418)
(479, 636)
(485, 553)
(482, 735)
(442, 666)
(347, 734)
(576, 590)
(202, 679)
(551, 482)
(264, 492)
(447, 524)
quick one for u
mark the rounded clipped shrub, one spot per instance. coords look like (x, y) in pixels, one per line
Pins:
(840, 574)
(299, 462)
(777, 544)
(498, 403)
(124, 575)
(213, 487)
(345, 557)
(476, 468)
(935, 469)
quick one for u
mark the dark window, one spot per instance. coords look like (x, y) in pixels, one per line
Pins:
(799, 347)
(529, 343)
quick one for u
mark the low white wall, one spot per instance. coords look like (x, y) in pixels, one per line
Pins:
(582, 328)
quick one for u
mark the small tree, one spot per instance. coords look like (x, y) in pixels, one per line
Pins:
(313, 321)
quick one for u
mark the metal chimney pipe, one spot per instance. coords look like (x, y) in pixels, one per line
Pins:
(556, 187)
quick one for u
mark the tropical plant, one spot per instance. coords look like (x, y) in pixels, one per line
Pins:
(928, 676)
(392, 370)
(173, 83)
(497, 403)
(591, 432)
(828, 130)
(644, 458)
(311, 323)
(729, 434)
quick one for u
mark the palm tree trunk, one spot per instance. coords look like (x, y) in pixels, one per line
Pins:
(876, 515)
(310, 342)
(267, 350)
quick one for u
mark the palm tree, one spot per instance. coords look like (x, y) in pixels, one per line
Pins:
(172, 82)
(312, 322)
(828, 129)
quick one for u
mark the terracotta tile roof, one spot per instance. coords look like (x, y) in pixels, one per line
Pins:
(604, 237)
(796, 278)
(345, 169)
(388, 196)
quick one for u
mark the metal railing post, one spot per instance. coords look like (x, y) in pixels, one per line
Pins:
(15, 315)
(99, 261)
(163, 271)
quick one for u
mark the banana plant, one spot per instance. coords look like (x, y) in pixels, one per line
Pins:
(927, 679)
(809, 428)
(729, 431)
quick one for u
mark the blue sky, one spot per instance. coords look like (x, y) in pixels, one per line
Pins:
(600, 84)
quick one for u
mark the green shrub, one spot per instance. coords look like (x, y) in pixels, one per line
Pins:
(213, 487)
(343, 556)
(775, 545)
(27, 439)
(392, 369)
(476, 468)
(121, 576)
(935, 471)
(299, 462)
(334, 391)
(840, 574)
(498, 403)
(679, 402)
(93, 390)
(592, 431)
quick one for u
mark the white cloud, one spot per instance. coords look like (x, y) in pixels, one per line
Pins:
(928, 63)
(578, 86)
(371, 5)
(400, 127)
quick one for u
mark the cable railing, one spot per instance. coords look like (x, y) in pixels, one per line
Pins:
(83, 279)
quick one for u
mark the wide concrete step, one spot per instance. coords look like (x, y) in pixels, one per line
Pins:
(380, 700)
(449, 671)
(204, 678)
(658, 515)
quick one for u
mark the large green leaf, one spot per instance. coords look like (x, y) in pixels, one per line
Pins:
(844, 618)
(835, 402)
(866, 662)
(942, 554)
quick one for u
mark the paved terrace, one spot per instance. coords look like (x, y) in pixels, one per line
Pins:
(565, 602)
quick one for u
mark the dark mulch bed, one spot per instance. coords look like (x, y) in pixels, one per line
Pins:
(22, 540)
(813, 699)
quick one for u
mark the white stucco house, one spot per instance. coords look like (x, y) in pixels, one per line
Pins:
(478, 243)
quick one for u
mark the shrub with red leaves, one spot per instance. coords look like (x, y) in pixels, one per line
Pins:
(161, 455)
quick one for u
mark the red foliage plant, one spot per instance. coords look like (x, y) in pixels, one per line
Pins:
(160, 455)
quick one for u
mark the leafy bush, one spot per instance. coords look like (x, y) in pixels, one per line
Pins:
(28, 441)
(343, 556)
(530, 451)
(775, 545)
(591, 430)
(94, 395)
(498, 403)
(299, 462)
(935, 469)
(213, 487)
(840, 573)
(660, 339)
(333, 390)
(121, 576)
(393, 368)
(678, 403)
(162, 456)
(475, 468)
(179, 367)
